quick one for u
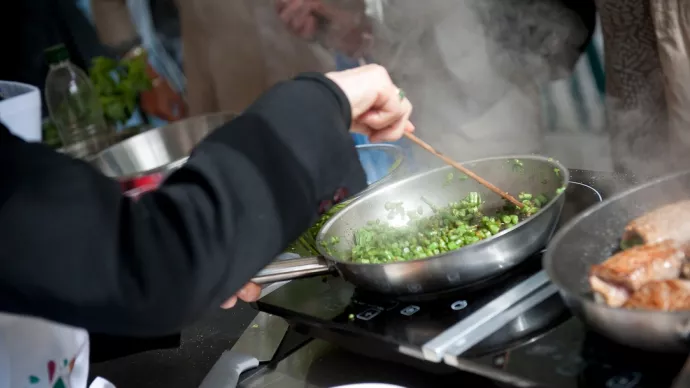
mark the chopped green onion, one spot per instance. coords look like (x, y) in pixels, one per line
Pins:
(459, 224)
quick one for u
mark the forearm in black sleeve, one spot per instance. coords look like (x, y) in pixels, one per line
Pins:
(74, 250)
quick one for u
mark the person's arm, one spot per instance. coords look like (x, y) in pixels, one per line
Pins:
(75, 250)
(114, 25)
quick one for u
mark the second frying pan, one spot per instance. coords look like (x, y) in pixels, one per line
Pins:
(590, 239)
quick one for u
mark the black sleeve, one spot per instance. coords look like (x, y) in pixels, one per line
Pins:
(74, 250)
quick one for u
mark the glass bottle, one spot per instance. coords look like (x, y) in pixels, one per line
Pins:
(74, 106)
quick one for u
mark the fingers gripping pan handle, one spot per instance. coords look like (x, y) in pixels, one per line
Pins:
(290, 269)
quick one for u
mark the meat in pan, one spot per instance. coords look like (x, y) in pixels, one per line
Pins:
(614, 280)
(611, 294)
(664, 223)
(665, 295)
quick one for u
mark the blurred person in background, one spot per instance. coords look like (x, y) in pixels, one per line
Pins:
(647, 61)
(232, 50)
(473, 68)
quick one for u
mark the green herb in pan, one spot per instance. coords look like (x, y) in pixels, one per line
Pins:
(455, 226)
(306, 244)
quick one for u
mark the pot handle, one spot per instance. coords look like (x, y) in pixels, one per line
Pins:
(682, 379)
(291, 269)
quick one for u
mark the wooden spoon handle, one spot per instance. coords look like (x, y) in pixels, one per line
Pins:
(462, 168)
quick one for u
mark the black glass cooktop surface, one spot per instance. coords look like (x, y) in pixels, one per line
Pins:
(573, 356)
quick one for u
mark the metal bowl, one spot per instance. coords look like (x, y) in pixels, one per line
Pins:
(89, 149)
(159, 150)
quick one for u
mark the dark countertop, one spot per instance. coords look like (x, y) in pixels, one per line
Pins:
(186, 366)
(318, 364)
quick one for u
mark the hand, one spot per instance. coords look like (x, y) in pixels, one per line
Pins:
(249, 293)
(347, 31)
(299, 16)
(162, 101)
(379, 108)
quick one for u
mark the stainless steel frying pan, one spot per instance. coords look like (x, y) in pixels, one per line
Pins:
(590, 239)
(458, 268)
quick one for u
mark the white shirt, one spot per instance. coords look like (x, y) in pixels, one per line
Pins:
(35, 353)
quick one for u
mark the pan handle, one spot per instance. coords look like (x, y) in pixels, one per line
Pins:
(291, 269)
(683, 377)
(682, 380)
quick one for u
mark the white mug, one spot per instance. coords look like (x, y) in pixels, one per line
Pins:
(20, 110)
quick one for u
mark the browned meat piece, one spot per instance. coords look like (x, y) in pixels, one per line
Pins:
(630, 269)
(609, 294)
(666, 295)
(665, 223)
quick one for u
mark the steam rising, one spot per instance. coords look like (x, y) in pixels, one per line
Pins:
(473, 68)
(636, 101)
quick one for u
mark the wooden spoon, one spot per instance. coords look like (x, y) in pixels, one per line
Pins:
(504, 194)
(462, 168)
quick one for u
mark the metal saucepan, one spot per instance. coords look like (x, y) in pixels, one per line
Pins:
(458, 268)
(146, 159)
(590, 239)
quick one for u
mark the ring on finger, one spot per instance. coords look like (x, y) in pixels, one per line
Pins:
(401, 94)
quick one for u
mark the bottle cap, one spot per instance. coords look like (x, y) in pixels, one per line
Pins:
(56, 54)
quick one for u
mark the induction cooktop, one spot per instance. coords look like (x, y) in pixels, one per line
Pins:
(513, 328)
